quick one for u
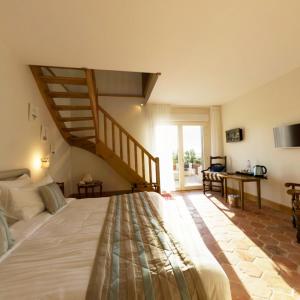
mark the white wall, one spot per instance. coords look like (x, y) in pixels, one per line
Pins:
(85, 162)
(216, 131)
(258, 112)
(20, 139)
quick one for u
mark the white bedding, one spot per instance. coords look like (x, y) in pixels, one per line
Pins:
(53, 255)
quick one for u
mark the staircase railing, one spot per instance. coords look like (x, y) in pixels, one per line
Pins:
(107, 130)
(128, 149)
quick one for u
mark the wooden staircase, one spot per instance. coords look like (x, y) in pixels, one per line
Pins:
(73, 104)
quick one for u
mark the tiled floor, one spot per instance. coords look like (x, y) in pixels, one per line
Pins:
(256, 248)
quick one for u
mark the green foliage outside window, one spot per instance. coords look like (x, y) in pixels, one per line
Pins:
(189, 157)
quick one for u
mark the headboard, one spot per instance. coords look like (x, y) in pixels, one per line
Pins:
(13, 174)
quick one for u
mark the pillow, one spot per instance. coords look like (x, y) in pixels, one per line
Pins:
(25, 203)
(6, 241)
(217, 168)
(53, 197)
(5, 187)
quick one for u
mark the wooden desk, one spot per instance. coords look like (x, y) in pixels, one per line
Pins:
(241, 180)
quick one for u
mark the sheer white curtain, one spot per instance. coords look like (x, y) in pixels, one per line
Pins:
(216, 131)
(159, 142)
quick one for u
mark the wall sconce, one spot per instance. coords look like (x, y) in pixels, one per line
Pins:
(45, 162)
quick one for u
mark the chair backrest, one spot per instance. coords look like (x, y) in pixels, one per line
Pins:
(218, 163)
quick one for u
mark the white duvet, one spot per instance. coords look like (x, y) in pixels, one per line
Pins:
(53, 255)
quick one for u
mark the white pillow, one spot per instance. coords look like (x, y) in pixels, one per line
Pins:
(25, 203)
(6, 185)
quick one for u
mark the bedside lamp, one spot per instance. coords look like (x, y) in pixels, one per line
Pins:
(45, 162)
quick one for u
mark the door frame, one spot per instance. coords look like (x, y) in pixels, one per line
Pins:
(180, 125)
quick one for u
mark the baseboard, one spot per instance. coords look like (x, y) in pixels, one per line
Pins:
(265, 202)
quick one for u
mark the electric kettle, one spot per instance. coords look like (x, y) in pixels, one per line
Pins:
(259, 170)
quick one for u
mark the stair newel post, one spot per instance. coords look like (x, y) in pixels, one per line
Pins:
(113, 137)
(105, 130)
(128, 151)
(157, 169)
(150, 169)
(135, 158)
(121, 143)
(90, 79)
(143, 164)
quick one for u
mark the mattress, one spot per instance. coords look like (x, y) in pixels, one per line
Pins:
(53, 255)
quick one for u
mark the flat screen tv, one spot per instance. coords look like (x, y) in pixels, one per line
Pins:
(234, 135)
(287, 136)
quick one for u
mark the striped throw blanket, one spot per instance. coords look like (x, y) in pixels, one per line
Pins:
(137, 258)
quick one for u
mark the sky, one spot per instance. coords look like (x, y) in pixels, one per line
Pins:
(192, 138)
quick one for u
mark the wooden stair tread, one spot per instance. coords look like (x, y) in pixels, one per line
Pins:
(70, 119)
(130, 170)
(68, 95)
(79, 128)
(72, 107)
(77, 138)
(64, 80)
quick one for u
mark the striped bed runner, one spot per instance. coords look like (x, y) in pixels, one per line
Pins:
(137, 258)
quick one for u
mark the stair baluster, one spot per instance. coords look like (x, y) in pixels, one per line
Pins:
(139, 165)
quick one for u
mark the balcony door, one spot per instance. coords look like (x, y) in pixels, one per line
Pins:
(187, 154)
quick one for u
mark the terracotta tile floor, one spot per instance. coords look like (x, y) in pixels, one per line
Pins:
(256, 248)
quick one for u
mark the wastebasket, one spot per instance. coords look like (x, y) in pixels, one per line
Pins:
(233, 200)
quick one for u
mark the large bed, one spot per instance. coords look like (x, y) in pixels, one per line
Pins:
(53, 255)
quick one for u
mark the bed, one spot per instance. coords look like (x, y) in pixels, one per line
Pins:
(53, 255)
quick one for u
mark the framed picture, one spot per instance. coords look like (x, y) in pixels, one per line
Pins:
(234, 135)
(33, 112)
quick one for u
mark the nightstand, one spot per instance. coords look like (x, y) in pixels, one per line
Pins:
(90, 189)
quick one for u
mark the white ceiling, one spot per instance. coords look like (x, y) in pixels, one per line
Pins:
(208, 52)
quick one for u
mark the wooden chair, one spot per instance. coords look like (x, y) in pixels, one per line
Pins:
(295, 193)
(211, 176)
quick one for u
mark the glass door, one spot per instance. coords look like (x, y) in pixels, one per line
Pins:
(187, 152)
(192, 156)
(175, 155)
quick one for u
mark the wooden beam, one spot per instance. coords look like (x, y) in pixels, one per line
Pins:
(71, 129)
(64, 80)
(58, 67)
(120, 95)
(74, 119)
(88, 137)
(68, 95)
(72, 107)
(149, 85)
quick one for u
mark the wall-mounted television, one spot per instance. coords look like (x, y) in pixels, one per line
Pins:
(287, 136)
(234, 135)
